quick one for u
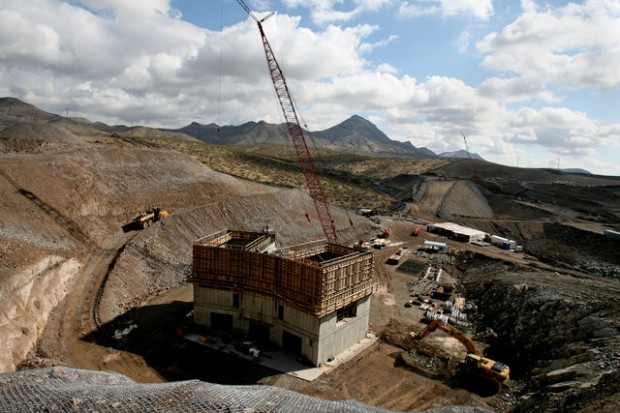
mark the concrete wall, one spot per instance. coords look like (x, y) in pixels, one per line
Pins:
(208, 300)
(321, 339)
(335, 337)
(258, 308)
(304, 326)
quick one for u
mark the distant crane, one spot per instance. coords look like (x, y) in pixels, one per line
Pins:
(474, 174)
(296, 132)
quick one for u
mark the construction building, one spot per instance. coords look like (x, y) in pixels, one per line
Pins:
(311, 299)
(457, 232)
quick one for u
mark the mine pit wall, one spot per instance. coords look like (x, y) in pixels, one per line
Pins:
(558, 334)
(320, 338)
(26, 301)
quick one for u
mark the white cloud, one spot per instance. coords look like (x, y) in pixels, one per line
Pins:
(323, 11)
(516, 89)
(167, 72)
(463, 41)
(130, 10)
(563, 130)
(330, 11)
(480, 9)
(369, 47)
(573, 46)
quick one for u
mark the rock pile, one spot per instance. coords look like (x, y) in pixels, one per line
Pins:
(558, 332)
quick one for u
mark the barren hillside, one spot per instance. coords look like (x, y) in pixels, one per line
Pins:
(70, 279)
(65, 197)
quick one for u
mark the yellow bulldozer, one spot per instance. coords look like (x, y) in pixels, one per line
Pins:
(474, 364)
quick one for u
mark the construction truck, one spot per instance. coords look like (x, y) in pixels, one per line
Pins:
(385, 233)
(143, 219)
(416, 232)
(474, 364)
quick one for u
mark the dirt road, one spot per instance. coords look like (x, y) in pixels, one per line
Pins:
(78, 316)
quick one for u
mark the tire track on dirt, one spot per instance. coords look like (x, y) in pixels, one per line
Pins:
(77, 316)
(95, 308)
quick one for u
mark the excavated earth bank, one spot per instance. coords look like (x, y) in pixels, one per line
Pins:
(63, 201)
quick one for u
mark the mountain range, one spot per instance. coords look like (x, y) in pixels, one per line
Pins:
(355, 135)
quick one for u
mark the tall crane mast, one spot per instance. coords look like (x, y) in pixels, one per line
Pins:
(474, 174)
(296, 132)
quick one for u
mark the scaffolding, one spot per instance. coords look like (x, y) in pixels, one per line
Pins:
(317, 278)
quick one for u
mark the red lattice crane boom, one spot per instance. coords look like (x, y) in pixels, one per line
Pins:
(296, 132)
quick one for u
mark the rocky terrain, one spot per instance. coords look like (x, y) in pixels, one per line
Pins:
(68, 274)
(354, 135)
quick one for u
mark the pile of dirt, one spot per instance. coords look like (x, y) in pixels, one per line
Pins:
(39, 132)
(445, 198)
(160, 257)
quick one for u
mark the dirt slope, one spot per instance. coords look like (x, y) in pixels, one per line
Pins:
(65, 199)
(450, 199)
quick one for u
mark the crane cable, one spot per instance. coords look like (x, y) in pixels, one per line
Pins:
(219, 92)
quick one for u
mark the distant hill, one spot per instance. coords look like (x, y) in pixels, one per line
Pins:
(14, 111)
(250, 133)
(359, 135)
(576, 171)
(462, 154)
(354, 135)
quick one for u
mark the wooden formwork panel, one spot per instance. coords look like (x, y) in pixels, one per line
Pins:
(317, 288)
(234, 267)
(300, 283)
(346, 297)
(215, 239)
(250, 240)
(305, 250)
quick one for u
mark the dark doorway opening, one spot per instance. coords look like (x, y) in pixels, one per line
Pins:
(221, 322)
(259, 332)
(291, 343)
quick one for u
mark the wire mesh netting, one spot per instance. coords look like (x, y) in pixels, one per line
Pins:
(62, 389)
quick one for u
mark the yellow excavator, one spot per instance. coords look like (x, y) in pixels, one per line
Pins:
(474, 363)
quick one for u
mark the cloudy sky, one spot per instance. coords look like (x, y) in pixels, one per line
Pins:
(531, 83)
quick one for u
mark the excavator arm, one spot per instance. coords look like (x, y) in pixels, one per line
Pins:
(469, 345)
(436, 324)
